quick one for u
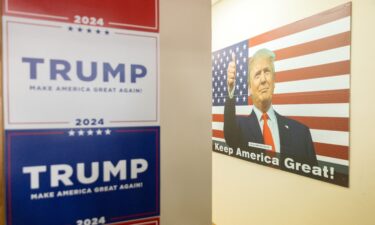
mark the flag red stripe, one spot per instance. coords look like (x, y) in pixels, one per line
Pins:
(307, 23)
(325, 70)
(314, 97)
(334, 151)
(331, 42)
(218, 133)
(217, 118)
(320, 123)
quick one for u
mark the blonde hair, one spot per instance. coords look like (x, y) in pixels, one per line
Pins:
(261, 53)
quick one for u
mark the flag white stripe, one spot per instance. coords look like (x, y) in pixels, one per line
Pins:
(319, 157)
(314, 59)
(330, 137)
(218, 126)
(315, 33)
(321, 136)
(218, 139)
(318, 110)
(333, 160)
(317, 84)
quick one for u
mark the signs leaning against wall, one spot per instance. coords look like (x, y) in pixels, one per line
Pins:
(81, 112)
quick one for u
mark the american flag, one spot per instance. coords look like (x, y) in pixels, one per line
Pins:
(312, 81)
(220, 61)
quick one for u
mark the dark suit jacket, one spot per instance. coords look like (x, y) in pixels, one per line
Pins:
(295, 138)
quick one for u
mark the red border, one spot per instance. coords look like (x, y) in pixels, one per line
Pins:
(29, 13)
(148, 221)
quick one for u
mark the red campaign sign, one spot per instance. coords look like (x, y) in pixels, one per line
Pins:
(140, 15)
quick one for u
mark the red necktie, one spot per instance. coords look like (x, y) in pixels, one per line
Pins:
(267, 135)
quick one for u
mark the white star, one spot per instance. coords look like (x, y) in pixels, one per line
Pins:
(221, 82)
(244, 98)
(244, 85)
(240, 54)
(241, 67)
(99, 132)
(237, 61)
(213, 101)
(224, 53)
(225, 88)
(236, 99)
(241, 79)
(219, 78)
(244, 73)
(90, 132)
(237, 49)
(108, 132)
(218, 100)
(244, 46)
(244, 59)
(215, 62)
(240, 92)
(224, 99)
(237, 87)
(71, 133)
(221, 95)
(81, 132)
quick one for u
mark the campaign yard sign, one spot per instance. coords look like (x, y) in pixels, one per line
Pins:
(63, 177)
(81, 112)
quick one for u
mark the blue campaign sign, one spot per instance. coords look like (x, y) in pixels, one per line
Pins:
(81, 176)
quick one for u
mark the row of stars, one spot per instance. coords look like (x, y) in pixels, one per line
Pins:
(225, 65)
(227, 59)
(88, 30)
(222, 99)
(223, 79)
(224, 53)
(89, 132)
(225, 89)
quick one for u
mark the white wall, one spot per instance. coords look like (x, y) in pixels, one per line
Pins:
(245, 193)
(185, 68)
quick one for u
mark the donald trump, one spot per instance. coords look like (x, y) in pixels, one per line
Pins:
(264, 129)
